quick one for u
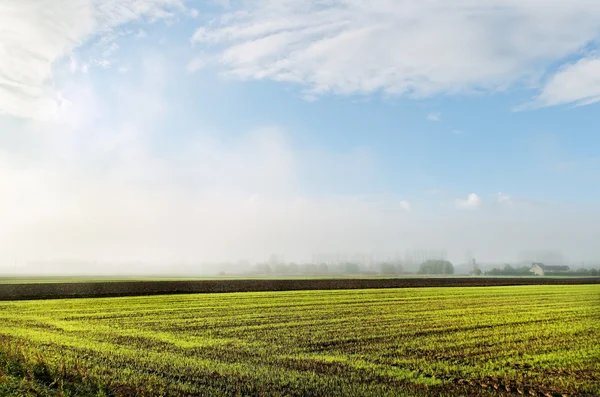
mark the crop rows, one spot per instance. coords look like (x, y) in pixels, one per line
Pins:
(530, 340)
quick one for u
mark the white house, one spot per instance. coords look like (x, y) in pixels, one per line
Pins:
(539, 269)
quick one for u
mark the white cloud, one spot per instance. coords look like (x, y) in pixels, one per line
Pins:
(577, 83)
(73, 64)
(141, 34)
(472, 201)
(103, 63)
(505, 199)
(508, 201)
(411, 48)
(514, 202)
(196, 64)
(37, 33)
(405, 205)
(434, 116)
(417, 48)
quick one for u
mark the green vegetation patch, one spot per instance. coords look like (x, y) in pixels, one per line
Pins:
(530, 340)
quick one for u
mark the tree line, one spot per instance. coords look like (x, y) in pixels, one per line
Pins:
(441, 267)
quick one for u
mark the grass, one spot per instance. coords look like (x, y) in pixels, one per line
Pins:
(534, 340)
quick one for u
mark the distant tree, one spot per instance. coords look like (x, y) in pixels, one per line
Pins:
(323, 268)
(476, 271)
(399, 268)
(578, 273)
(281, 268)
(508, 270)
(263, 268)
(494, 272)
(308, 268)
(292, 268)
(448, 268)
(388, 268)
(352, 268)
(436, 266)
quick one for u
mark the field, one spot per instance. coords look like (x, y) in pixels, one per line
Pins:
(531, 340)
(91, 287)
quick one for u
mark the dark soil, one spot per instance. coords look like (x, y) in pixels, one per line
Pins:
(142, 288)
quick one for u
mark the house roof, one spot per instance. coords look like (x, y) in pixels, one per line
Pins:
(550, 268)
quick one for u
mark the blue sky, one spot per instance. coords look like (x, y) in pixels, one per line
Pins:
(265, 127)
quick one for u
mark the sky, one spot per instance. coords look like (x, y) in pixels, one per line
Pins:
(191, 131)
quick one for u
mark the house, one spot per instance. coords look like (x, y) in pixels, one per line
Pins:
(539, 269)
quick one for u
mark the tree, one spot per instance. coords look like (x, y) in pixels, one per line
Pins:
(436, 266)
(292, 268)
(448, 268)
(476, 270)
(352, 268)
(281, 268)
(263, 268)
(510, 271)
(388, 268)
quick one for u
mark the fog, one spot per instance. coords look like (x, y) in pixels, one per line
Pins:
(110, 184)
(98, 212)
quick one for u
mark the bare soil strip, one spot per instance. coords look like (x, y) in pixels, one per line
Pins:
(142, 288)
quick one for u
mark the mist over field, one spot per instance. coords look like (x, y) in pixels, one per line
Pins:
(157, 136)
(51, 219)
(80, 189)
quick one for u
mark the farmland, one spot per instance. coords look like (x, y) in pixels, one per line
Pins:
(94, 288)
(512, 340)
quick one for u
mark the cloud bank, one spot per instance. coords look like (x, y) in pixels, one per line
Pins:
(414, 48)
(409, 48)
(472, 201)
(35, 34)
(577, 83)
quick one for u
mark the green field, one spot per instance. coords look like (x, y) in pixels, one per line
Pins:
(534, 340)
